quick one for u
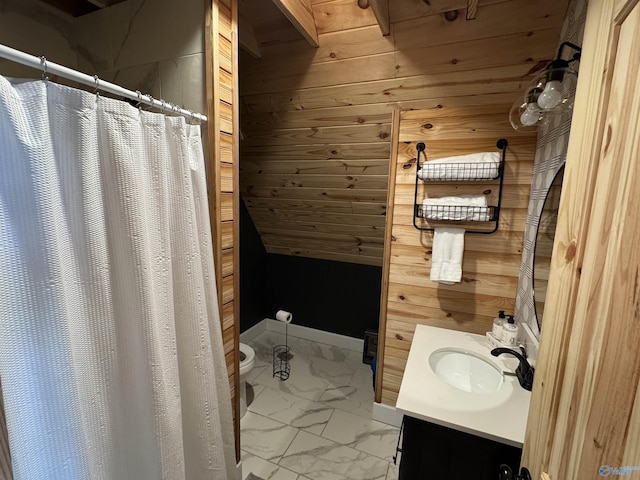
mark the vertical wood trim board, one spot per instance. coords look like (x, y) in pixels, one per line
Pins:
(222, 160)
(491, 262)
(384, 294)
(236, 215)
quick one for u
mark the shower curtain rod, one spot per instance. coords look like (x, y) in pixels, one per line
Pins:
(49, 67)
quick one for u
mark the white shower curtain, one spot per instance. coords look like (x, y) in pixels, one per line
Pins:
(111, 357)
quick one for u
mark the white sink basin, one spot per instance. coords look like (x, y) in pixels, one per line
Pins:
(465, 370)
(443, 398)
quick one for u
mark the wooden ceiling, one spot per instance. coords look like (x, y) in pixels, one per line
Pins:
(316, 120)
(265, 23)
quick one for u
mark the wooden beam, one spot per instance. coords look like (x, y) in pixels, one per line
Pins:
(300, 14)
(472, 9)
(247, 37)
(381, 11)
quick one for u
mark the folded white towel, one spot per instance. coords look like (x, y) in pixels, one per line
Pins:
(461, 214)
(457, 207)
(475, 166)
(458, 200)
(447, 252)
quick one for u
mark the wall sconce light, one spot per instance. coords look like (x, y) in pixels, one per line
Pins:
(551, 93)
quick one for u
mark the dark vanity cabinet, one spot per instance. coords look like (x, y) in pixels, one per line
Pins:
(434, 452)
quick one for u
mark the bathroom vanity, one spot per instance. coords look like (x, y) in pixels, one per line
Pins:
(431, 451)
(463, 415)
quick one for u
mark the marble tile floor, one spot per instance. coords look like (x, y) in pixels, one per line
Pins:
(316, 425)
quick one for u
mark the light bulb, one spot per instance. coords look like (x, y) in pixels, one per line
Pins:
(531, 115)
(551, 95)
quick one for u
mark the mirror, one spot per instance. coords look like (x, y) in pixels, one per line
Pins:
(544, 244)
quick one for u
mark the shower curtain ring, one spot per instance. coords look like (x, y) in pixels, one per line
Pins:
(43, 62)
(97, 80)
(139, 94)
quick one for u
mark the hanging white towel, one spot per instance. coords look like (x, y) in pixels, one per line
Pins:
(446, 259)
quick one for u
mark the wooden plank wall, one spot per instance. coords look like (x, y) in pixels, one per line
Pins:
(222, 104)
(491, 262)
(317, 122)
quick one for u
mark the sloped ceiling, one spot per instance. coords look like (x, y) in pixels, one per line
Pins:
(316, 122)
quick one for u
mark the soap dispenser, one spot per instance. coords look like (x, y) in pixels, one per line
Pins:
(509, 332)
(498, 323)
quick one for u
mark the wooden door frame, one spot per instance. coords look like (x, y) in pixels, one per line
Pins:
(571, 347)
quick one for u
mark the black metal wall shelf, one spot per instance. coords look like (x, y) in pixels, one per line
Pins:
(443, 173)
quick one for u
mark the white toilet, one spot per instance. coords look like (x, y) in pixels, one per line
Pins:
(247, 359)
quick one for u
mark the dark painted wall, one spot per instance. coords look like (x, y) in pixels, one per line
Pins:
(253, 271)
(335, 297)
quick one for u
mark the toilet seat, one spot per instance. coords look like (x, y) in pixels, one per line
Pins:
(249, 359)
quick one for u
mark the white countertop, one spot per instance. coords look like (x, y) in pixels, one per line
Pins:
(500, 416)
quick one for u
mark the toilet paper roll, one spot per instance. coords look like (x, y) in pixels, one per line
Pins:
(284, 316)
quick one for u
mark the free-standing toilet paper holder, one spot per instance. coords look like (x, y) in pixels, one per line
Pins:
(281, 357)
(282, 353)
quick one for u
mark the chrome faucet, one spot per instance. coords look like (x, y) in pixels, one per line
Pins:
(524, 372)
